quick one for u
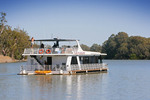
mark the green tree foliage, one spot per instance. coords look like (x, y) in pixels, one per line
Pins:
(139, 46)
(110, 47)
(121, 46)
(2, 22)
(13, 42)
(85, 47)
(96, 47)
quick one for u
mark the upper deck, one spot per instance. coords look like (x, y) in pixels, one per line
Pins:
(57, 50)
(50, 51)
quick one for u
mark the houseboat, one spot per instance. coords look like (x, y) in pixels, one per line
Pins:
(61, 60)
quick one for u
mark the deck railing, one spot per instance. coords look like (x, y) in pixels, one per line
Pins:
(43, 67)
(50, 50)
(88, 66)
(62, 67)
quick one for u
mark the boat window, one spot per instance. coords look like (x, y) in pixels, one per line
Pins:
(85, 60)
(100, 59)
(63, 63)
(81, 60)
(88, 59)
(49, 60)
(74, 60)
(94, 59)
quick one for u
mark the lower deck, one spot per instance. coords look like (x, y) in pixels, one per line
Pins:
(58, 65)
(89, 71)
(62, 69)
(61, 72)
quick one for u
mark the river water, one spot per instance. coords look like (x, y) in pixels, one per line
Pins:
(125, 80)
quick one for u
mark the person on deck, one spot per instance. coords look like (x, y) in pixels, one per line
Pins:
(32, 42)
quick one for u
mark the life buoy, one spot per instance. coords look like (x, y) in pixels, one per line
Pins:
(48, 51)
(41, 51)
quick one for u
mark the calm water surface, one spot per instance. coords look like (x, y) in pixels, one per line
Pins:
(125, 80)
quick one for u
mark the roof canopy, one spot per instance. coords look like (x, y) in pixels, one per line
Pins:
(55, 39)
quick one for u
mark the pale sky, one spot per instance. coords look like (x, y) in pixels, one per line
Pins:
(90, 21)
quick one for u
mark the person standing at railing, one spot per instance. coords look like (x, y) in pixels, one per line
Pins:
(42, 45)
(32, 42)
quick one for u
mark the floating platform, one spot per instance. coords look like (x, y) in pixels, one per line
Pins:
(88, 71)
(61, 72)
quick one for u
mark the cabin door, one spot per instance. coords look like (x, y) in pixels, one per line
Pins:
(49, 60)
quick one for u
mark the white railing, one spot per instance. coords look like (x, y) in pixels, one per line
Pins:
(88, 66)
(43, 67)
(35, 67)
(59, 67)
(50, 50)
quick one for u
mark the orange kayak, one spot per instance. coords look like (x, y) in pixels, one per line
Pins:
(42, 71)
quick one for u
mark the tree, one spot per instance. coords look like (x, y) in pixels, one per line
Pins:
(133, 56)
(121, 46)
(122, 52)
(139, 46)
(109, 47)
(85, 47)
(12, 42)
(2, 22)
(5, 43)
(96, 47)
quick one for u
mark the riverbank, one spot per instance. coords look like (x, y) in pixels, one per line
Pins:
(7, 59)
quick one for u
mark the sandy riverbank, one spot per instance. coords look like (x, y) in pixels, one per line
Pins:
(7, 59)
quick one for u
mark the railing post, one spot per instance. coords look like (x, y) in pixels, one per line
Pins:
(78, 60)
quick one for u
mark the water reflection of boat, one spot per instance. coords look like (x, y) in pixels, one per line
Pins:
(61, 60)
(68, 87)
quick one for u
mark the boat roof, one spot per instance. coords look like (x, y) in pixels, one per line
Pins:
(55, 39)
(103, 54)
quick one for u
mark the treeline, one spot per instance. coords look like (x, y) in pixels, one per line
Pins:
(12, 41)
(121, 46)
(94, 47)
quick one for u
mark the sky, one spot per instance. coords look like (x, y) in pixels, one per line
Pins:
(90, 21)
